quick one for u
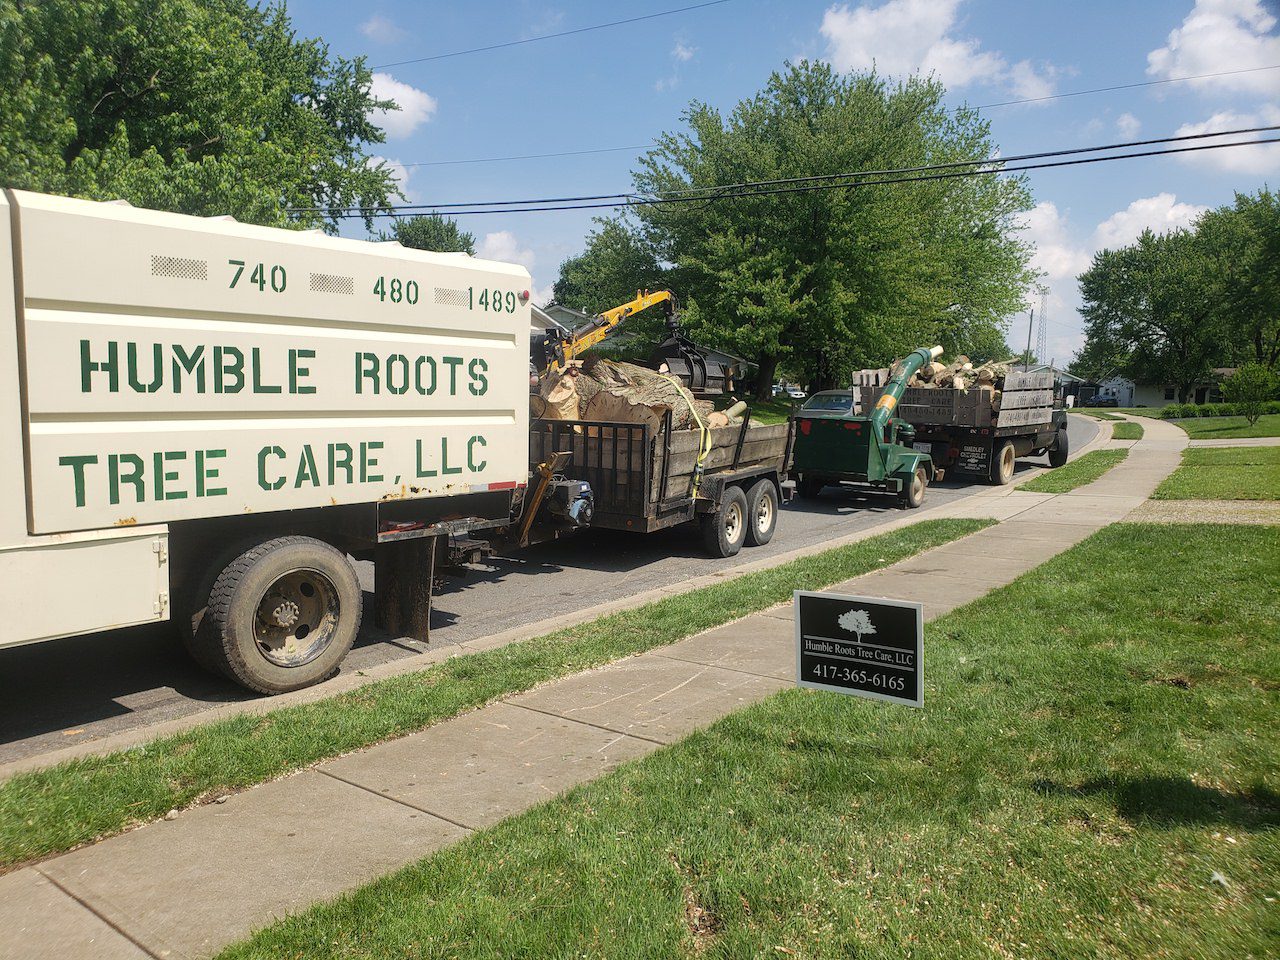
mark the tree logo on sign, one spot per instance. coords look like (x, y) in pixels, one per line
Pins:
(857, 621)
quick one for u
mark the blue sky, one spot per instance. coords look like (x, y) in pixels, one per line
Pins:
(619, 87)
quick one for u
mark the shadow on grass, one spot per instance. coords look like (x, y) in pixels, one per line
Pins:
(1174, 802)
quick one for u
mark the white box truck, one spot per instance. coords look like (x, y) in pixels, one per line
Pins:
(200, 418)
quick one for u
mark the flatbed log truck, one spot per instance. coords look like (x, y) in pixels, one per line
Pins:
(205, 418)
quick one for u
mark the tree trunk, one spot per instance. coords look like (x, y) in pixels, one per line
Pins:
(768, 367)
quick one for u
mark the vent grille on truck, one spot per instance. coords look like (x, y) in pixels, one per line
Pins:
(332, 283)
(452, 298)
(180, 267)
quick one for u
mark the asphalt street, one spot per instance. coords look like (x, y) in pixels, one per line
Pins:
(68, 691)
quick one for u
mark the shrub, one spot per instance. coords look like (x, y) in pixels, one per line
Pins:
(1250, 388)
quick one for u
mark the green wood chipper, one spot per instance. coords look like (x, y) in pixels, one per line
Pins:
(873, 449)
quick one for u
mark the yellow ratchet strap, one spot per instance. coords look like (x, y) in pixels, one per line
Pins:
(705, 447)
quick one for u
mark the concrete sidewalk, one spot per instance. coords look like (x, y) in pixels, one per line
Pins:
(189, 886)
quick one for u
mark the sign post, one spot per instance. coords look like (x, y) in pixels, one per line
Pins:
(863, 646)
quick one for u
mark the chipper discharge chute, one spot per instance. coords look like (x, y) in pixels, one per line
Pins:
(873, 449)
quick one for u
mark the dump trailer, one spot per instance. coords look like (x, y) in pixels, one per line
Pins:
(646, 477)
(204, 417)
(964, 433)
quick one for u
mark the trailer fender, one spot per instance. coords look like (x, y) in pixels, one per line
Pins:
(907, 467)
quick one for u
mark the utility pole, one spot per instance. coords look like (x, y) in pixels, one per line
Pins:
(1026, 357)
(1042, 334)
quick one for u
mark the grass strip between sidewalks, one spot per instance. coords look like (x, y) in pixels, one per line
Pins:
(1095, 773)
(47, 811)
(1127, 430)
(1077, 473)
(1230, 428)
(1224, 473)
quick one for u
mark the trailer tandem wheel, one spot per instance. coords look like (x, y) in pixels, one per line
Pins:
(762, 511)
(724, 531)
(280, 616)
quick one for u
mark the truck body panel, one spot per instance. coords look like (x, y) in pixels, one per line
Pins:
(180, 368)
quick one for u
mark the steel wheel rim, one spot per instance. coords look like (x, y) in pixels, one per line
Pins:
(1007, 462)
(297, 618)
(733, 526)
(764, 514)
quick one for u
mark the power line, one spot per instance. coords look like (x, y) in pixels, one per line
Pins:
(1125, 86)
(1003, 103)
(642, 202)
(701, 192)
(527, 156)
(552, 36)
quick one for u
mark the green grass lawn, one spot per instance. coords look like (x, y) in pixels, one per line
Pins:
(1076, 473)
(55, 809)
(777, 410)
(1224, 473)
(1127, 430)
(1095, 773)
(1230, 428)
(1096, 414)
(1108, 412)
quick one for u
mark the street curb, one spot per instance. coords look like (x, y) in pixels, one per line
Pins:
(345, 683)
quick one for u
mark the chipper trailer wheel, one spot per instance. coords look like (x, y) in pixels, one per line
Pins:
(1003, 460)
(809, 487)
(280, 616)
(724, 531)
(762, 510)
(1060, 449)
(913, 495)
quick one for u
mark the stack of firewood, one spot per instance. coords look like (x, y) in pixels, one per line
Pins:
(961, 374)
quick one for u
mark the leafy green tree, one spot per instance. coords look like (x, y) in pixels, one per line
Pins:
(829, 280)
(1151, 306)
(1249, 388)
(1242, 244)
(199, 106)
(441, 234)
(616, 263)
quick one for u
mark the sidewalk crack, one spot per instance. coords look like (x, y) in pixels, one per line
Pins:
(99, 914)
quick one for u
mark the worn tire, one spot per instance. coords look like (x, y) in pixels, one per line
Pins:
(1003, 461)
(762, 513)
(227, 629)
(808, 488)
(1060, 450)
(913, 496)
(725, 531)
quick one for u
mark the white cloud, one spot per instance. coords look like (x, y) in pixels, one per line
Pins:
(680, 53)
(1128, 125)
(1056, 255)
(904, 36)
(1248, 160)
(1031, 83)
(416, 106)
(1159, 213)
(504, 246)
(381, 30)
(1219, 36)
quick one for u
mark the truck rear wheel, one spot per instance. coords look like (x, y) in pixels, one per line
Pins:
(280, 616)
(724, 531)
(1060, 449)
(762, 511)
(1003, 460)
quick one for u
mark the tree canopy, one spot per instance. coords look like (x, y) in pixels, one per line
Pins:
(199, 106)
(822, 281)
(1169, 308)
(441, 234)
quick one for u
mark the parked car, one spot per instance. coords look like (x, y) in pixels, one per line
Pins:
(1101, 400)
(795, 393)
(829, 403)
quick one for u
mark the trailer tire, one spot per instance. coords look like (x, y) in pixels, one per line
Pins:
(762, 512)
(1003, 460)
(724, 531)
(265, 604)
(913, 496)
(808, 488)
(1060, 450)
